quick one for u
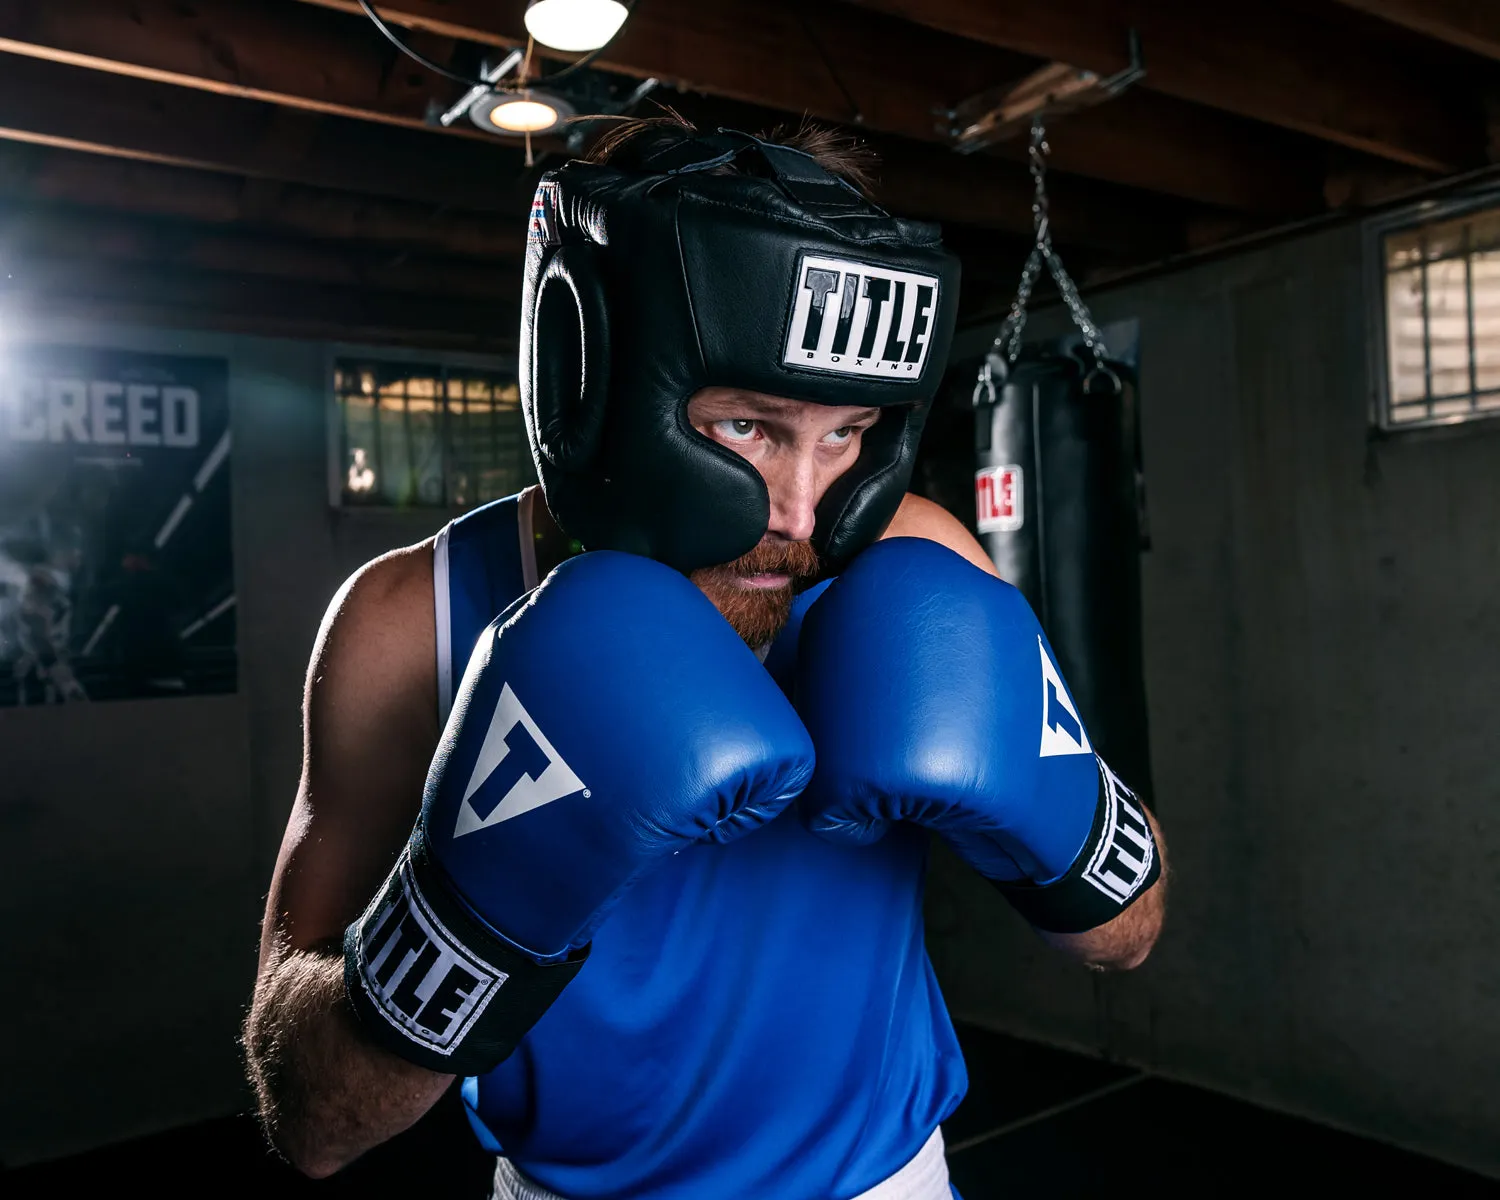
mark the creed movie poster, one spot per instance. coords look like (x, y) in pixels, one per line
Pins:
(116, 569)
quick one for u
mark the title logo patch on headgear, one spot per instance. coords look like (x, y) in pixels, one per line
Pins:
(543, 225)
(857, 318)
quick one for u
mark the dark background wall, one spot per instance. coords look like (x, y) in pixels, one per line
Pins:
(1322, 631)
(139, 835)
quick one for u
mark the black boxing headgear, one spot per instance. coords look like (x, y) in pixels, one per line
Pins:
(643, 287)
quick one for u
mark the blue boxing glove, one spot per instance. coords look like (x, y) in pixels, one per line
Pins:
(932, 696)
(610, 720)
(781, 656)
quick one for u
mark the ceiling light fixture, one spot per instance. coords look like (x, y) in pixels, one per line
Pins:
(528, 111)
(574, 25)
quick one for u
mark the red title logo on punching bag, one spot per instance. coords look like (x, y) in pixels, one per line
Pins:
(999, 499)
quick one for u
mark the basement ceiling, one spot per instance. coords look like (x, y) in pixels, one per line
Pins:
(275, 164)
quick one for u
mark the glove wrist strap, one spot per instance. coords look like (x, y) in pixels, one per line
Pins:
(433, 984)
(1119, 861)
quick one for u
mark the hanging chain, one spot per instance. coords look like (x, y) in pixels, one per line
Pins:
(1008, 340)
(1007, 344)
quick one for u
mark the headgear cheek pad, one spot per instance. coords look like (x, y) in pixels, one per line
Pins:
(642, 288)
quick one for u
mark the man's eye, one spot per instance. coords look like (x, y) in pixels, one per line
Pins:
(739, 430)
(842, 434)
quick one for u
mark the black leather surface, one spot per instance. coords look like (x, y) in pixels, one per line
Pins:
(687, 280)
(1076, 558)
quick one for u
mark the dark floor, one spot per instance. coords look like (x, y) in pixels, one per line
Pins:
(1037, 1121)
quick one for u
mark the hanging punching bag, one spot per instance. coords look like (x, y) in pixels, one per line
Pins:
(1059, 511)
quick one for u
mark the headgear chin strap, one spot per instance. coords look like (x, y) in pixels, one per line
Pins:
(642, 288)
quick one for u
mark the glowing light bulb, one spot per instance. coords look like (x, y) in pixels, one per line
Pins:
(523, 115)
(523, 112)
(574, 25)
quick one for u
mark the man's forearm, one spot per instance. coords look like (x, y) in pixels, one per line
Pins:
(1124, 942)
(326, 1095)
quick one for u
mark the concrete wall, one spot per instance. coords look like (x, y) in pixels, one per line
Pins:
(1322, 630)
(138, 836)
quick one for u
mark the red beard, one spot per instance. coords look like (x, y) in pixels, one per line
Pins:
(759, 614)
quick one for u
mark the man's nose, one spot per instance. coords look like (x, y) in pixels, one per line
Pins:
(792, 482)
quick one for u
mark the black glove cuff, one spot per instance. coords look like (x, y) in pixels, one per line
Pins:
(1118, 863)
(432, 984)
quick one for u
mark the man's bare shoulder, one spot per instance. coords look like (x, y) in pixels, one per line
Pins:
(373, 675)
(920, 517)
(385, 597)
(376, 655)
(370, 726)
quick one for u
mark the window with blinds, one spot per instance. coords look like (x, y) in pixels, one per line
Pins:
(1441, 290)
(427, 435)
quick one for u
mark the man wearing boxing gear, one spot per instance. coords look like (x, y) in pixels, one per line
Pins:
(727, 357)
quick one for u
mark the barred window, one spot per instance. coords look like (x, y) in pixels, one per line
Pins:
(427, 435)
(1442, 319)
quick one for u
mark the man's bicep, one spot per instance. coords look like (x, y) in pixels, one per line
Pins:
(369, 730)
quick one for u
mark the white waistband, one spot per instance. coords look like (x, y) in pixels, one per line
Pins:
(510, 1184)
(925, 1177)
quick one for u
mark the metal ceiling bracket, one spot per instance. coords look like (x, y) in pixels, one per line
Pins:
(490, 75)
(1054, 90)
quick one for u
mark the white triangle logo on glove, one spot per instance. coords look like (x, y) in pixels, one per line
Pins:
(1062, 729)
(536, 772)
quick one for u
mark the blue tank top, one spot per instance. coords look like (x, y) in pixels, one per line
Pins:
(758, 1019)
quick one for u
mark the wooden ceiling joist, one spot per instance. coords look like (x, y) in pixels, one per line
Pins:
(1472, 25)
(829, 59)
(137, 118)
(27, 233)
(81, 286)
(276, 52)
(1083, 213)
(72, 107)
(39, 176)
(287, 136)
(1241, 165)
(1238, 58)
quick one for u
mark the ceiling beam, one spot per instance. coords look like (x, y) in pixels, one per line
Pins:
(75, 108)
(824, 59)
(1472, 25)
(1084, 213)
(1238, 58)
(921, 179)
(79, 285)
(1104, 146)
(277, 52)
(31, 231)
(828, 60)
(800, 57)
(41, 175)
